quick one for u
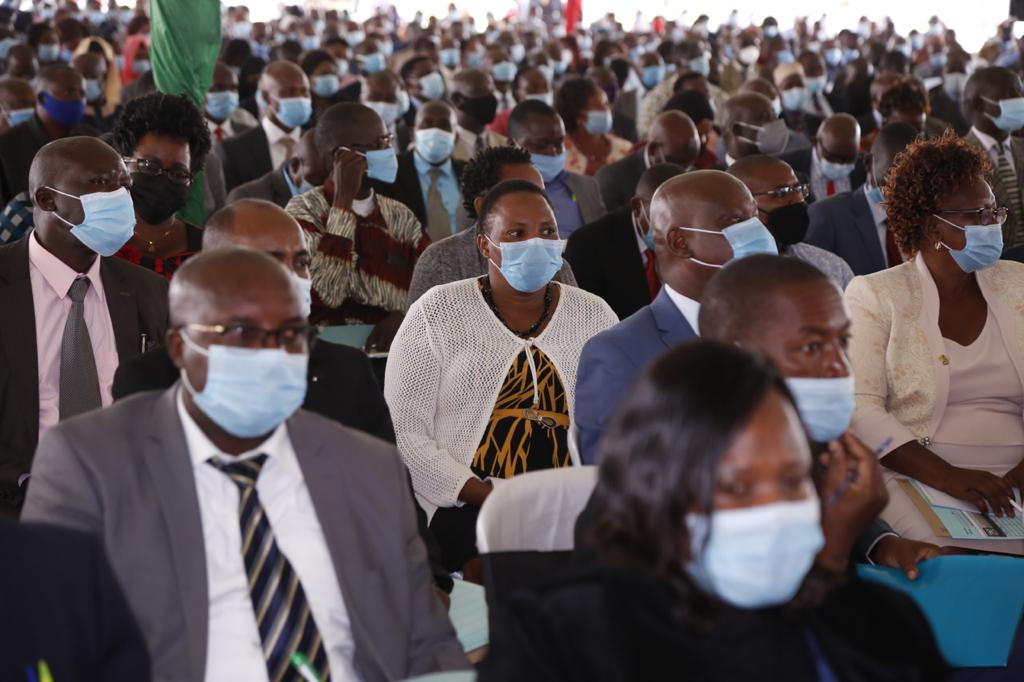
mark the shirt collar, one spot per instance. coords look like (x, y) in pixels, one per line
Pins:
(468, 135)
(201, 448)
(275, 133)
(423, 167)
(559, 179)
(56, 273)
(987, 141)
(689, 308)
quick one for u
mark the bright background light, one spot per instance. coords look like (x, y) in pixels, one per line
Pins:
(974, 22)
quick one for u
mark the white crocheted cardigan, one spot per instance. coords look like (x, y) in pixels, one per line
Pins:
(446, 366)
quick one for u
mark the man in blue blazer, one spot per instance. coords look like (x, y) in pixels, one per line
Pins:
(703, 200)
(852, 224)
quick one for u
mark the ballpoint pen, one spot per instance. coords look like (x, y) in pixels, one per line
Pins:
(853, 475)
(304, 668)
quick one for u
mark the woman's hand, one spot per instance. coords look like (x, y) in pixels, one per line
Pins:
(984, 490)
(383, 333)
(1015, 477)
(475, 491)
(904, 554)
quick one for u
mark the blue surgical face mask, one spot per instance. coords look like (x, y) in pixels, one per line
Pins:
(835, 171)
(354, 38)
(517, 52)
(310, 43)
(372, 63)
(546, 97)
(793, 99)
(382, 164)
(549, 166)
(873, 191)
(108, 222)
(296, 190)
(504, 71)
(93, 89)
(983, 248)
(388, 111)
(1011, 113)
(294, 112)
(905, 50)
(5, 46)
(701, 65)
(825, 405)
(785, 57)
(140, 66)
(387, 48)
(450, 57)
(653, 75)
(599, 122)
(953, 85)
(19, 116)
(48, 52)
(771, 31)
(403, 103)
(815, 84)
(547, 71)
(249, 392)
(435, 145)
(432, 86)
(326, 85)
(475, 59)
(305, 287)
(755, 557)
(220, 105)
(746, 239)
(529, 265)
(833, 56)
(937, 59)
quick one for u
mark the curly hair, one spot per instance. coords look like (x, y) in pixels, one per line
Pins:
(907, 95)
(172, 115)
(922, 175)
(571, 100)
(483, 172)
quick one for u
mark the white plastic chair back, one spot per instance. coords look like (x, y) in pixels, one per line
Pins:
(535, 511)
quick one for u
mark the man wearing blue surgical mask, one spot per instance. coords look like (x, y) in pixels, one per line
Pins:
(98, 115)
(298, 175)
(833, 165)
(285, 107)
(224, 117)
(946, 99)
(364, 245)
(370, 57)
(502, 68)
(995, 101)
(575, 198)
(383, 93)
(817, 83)
(794, 96)
(699, 221)
(530, 83)
(79, 311)
(17, 103)
(777, 308)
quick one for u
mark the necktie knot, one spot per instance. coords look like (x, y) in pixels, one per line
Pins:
(78, 289)
(435, 175)
(243, 472)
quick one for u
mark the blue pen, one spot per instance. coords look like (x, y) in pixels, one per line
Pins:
(852, 477)
(30, 671)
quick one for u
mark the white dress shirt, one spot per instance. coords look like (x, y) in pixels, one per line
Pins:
(879, 215)
(276, 137)
(992, 146)
(819, 183)
(689, 308)
(233, 649)
(51, 279)
(364, 207)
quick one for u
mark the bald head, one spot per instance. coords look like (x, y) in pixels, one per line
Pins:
(259, 225)
(839, 139)
(69, 159)
(435, 114)
(673, 138)
(750, 168)
(761, 86)
(282, 80)
(741, 114)
(348, 124)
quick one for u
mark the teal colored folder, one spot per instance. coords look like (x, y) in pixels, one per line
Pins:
(973, 603)
(468, 613)
(347, 335)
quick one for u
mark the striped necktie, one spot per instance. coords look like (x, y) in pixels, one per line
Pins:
(285, 622)
(1008, 179)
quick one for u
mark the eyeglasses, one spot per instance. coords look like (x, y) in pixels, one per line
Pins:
(153, 169)
(785, 192)
(987, 216)
(293, 338)
(382, 142)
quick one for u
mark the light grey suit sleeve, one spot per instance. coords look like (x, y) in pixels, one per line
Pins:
(588, 195)
(61, 489)
(430, 271)
(214, 192)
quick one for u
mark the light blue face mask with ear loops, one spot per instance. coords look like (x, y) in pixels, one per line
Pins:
(746, 239)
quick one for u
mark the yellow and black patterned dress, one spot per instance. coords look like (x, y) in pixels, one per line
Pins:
(523, 436)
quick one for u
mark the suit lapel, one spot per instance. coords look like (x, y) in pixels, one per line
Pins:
(167, 459)
(866, 228)
(123, 309)
(18, 327)
(671, 324)
(409, 180)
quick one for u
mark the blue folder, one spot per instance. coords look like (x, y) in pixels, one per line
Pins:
(973, 603)
(468, 613)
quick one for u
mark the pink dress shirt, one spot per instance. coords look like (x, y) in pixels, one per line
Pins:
(51, 280)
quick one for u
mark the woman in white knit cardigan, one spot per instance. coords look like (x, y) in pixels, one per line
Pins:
(482, 373)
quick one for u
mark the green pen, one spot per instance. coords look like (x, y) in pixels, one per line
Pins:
(305, 668)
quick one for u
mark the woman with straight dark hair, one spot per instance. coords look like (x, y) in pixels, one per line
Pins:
(707, 536)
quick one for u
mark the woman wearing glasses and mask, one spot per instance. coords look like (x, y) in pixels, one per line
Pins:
(164, 140)
(482, 373)
(706, 544)
(937, 346)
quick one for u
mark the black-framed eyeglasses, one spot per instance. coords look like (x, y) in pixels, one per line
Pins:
(382, 142)
(786, 192)
(292, 337)
(153, 168)
(986, 215)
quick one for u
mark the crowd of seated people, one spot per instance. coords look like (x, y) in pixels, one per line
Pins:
(271, 357)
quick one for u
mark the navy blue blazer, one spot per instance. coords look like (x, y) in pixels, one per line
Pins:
(843, 224)
(612, 360)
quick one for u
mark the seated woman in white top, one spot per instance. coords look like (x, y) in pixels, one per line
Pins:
(938, 342)
(482, 374)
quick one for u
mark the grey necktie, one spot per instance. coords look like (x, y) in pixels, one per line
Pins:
(439, 224)
(1008, 179)
(79, 383)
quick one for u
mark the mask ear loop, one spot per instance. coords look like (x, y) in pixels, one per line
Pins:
(70, 196)
(198, 349)
(697, 229)
(940, 242)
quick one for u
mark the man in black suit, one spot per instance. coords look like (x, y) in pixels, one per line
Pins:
(673, 139)
(611, 257)
(301, 173)
(60, 89)
(947, 98)
(286, 107)
(61, 301)
(62, 605)
(833, 164)
(430, 158)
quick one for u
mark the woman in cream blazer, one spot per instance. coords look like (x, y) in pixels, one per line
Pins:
(937, 343)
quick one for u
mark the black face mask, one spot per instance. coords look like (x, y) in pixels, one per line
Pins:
(788, 224)
(481, 109)
(156, 198)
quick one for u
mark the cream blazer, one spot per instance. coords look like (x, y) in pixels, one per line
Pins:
(900, 368)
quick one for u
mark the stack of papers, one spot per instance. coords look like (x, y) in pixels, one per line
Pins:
(961, 520)
(468, 614)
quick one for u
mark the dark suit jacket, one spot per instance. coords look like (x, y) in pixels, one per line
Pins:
(137, 301)
(607, 625)
(271, 186)
(949, 110)
(606, 260)
(618, 180)
(406, 187)
(63, 605)
(18, 146)
(843, 224)
(612, 360)
(867, 122)
(800, 161)
(245, 156)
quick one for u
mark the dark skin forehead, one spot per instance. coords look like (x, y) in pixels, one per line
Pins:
(533, 81)
(382, 87)
(64, 84)
(16, 93)
(223, 78)
(472, 83)
(839, 135)
(435, 115)
(997, 84)
(520, 210)
(90, 65)
(226, 291)
(365, 130)
(760, 86)
(541, 129)
(79, 165)
(262, 228)
(284, 77)
(765, 177)
(421, 69)
(752, 108)
(813, 64)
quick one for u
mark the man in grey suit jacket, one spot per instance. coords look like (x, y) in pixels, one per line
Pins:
(304, 507)
(272, 187)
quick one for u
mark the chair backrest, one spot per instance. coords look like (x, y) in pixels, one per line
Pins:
(535, 511)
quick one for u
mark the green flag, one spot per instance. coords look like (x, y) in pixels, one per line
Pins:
(185, 42)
